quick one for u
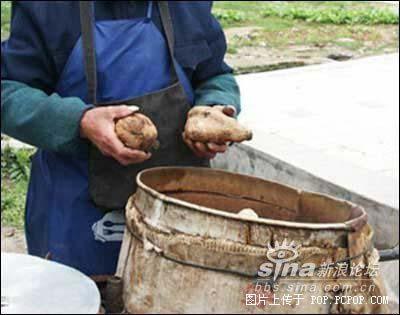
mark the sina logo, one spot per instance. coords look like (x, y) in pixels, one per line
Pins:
(282, 262)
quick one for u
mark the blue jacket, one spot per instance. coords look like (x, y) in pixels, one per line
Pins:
(43, 34)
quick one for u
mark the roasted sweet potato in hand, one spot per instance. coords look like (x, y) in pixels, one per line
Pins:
(210, 124)
(137, 132)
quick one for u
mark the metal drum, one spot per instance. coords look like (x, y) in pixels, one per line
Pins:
(31, 285)
(210, 241)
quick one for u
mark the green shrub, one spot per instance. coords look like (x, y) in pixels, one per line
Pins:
(13, 196)
(15, 163)
(15, 166)
(5, 16)
(229, 16)
(332, 15)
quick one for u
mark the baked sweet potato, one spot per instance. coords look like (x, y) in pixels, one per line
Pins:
(137, 132)
(210, 124)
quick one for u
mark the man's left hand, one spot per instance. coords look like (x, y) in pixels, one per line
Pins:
(209, 150)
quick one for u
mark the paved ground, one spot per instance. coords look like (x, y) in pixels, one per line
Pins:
(12, 240)
(389, 2)
(339, 121)
(394, 5)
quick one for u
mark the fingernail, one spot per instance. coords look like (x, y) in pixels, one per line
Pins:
(133, 108)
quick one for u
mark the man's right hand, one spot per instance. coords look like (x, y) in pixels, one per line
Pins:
(98, 125)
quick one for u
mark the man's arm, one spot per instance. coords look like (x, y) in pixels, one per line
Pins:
(45, 121)
(61, 124)
(219, 90)
(213, 79)
(214, 84)
(29, 110)
(32, 113)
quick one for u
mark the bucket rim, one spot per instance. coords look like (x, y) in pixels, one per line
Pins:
(352, 225)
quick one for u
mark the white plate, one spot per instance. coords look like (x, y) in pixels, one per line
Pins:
(31, 285)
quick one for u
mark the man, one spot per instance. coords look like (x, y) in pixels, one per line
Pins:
(69, 71)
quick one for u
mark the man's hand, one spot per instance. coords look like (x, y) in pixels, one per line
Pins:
(98, 125)
(208, 150)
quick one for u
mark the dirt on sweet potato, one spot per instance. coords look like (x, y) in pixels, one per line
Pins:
(211, 124)
(137, 132)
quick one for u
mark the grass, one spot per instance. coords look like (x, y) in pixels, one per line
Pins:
(13, 203)
(237, 13)
(5, 18)
(337, 15)
(305, 35)
(361, 27)
(14, 183)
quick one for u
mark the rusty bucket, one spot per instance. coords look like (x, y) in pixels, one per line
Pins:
(209, 241)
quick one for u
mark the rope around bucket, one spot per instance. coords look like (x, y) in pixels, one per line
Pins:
(172, 246)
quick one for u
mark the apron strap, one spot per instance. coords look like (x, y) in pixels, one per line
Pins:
(166, 22)
(88, 42)
(149, 12)
(87, 29)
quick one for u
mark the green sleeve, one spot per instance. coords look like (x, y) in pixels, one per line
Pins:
(219, 90)
(45, 121)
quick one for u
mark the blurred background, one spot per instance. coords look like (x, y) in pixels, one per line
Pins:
(268, 35)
